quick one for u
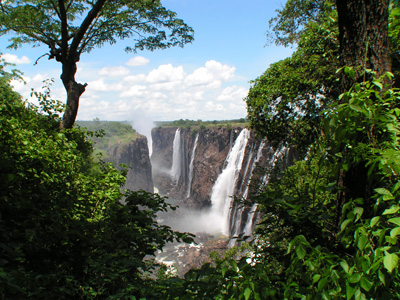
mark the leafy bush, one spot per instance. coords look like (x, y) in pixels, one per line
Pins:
(64, 233)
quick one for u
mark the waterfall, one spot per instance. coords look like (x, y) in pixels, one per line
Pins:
(224, 186)
(237, 222)
(176, 169)
(191, 166)
(248, 228)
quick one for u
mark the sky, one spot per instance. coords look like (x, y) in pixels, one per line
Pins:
(205, 80)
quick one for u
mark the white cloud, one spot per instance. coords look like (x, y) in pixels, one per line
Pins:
(212, 75)
(14, 59)
(166, 73)
(117, 71)
(166, 92)
(233, 93)
(137, 61)
(133, 91)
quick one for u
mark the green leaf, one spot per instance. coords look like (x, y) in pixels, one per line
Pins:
(362, 241)
(344, 224)
(395, 221)
(350, 291)
(322, 283)
(392, 210)
(383, 191)
(381, 277)
(395, 232)
(366, 284)
(356, 107)
(374, 221)
(300, 252)
(390, 262)
(355, 278)
(316, 277)
(345, 266)
(377, 83)
(247, 293)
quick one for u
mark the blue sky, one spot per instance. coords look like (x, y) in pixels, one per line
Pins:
(206, 80)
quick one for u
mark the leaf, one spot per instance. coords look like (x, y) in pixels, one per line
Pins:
(392, 210)
(383, 191)
(390, 262)
(322, 283)
(374, 221)
(395, 221)
(366, 284)
(345, 266)
(355, 278)
(300, 251)
(381, 277)
(395, 232)
(362, 241)
(356, 107)
(350, 291)
(344, 224)
(247, 293)
(378, 84)
(316, 277)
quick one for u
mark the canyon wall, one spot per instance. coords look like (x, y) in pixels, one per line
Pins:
(135, 155)
(203, 168)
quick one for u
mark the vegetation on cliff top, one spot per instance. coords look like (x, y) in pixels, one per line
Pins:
(108, 134)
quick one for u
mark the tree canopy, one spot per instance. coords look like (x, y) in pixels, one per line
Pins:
(71, 28)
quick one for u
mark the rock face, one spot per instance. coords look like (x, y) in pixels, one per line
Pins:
(212, 147)
(204, 168)
(135, 155)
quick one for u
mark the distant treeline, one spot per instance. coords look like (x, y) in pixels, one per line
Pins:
(183, 123)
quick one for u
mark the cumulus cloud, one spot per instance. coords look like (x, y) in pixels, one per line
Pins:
(166, 73)
(166, 92)
(14, 59)
(137, 61)
(212, 75)
(117, 71)
(233, 93)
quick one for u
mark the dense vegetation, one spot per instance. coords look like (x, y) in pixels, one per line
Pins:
(64, 233)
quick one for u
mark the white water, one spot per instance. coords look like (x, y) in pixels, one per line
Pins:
(224, 187)
(249, 220)
(248, 229)
(191, 166)
(175, 171)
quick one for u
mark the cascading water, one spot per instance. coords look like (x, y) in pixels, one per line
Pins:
(237, 222)
(191, 166)
(248, 228)
(224, 187)
(176, 169)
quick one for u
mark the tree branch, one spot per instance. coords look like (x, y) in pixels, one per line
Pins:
(92, 14)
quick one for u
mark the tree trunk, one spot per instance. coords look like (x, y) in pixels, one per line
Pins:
(74, 91)
(363, 36)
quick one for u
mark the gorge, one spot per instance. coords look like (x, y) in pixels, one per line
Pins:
(209, 172)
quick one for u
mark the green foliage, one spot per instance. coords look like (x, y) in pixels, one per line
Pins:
(43, 22)
(64, 232)
(107, 134)
(285, 103)
(294, 18)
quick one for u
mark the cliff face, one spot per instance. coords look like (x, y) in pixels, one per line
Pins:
(135, 155)
(194, 185)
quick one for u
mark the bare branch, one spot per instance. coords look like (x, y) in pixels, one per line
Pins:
(40, 58)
